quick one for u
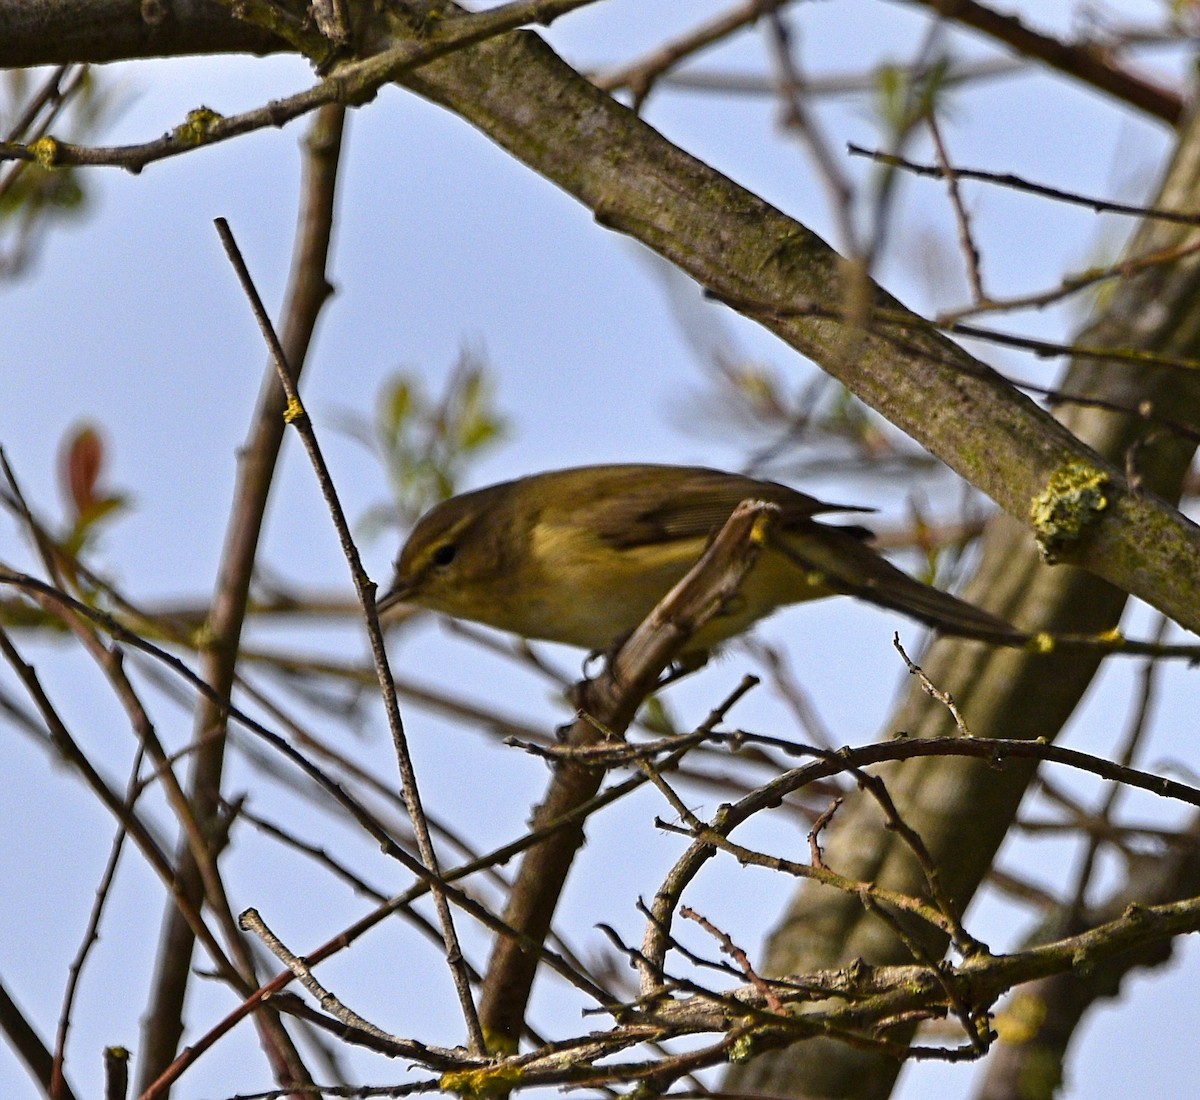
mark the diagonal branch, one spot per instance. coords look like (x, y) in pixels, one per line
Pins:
(1086, 63)
(365, 588)
(744, 251)
(607, 706)
(1005, 694)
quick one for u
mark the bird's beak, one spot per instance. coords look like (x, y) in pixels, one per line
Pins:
(397, 594)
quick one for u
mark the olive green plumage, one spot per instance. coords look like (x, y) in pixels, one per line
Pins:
(582, 555)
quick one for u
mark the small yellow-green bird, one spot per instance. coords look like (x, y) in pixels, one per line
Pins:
(582, 555)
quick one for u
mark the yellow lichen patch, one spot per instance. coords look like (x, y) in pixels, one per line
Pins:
(1062, 513)
(196, 126)
(45, 151)
(293, 411)
(741, 1049)
(490, 1081)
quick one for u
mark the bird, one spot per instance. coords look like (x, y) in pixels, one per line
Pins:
(581, 556)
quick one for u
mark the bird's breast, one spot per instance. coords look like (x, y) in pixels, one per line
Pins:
(586, 592)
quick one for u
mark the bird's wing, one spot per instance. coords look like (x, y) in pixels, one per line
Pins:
(691, 502)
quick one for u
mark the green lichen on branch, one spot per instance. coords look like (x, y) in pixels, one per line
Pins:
(742, 1049)
(1069, 505)
(45, 151)
(489, 1081)
(194, 129)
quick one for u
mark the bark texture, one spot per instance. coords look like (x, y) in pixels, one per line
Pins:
(961, 810)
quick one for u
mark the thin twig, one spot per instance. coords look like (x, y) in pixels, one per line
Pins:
(251, 921)
(1132, 739)
(736, 953)
(1017, 183)
(930, 689)
(1083, 62)
(640, 76)
(69, 749)
(365, 588)
(91, 935)
(353, 83)
(815, 854)
(1071, 284)
(856, 82)
(827, 764)
(965, 238)
(308, 290)
(796, 118)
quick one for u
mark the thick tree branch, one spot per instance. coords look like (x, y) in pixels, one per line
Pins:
(52, 32)
(519, 93)
(744, 251)
(1003, 693)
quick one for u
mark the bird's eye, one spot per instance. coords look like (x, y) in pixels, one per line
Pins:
(444, 554)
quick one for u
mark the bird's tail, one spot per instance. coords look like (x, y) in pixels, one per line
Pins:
(850, 566)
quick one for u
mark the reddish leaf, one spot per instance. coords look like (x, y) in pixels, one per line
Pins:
(83, 461)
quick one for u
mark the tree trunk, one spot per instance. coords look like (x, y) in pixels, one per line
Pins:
(961, 809)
